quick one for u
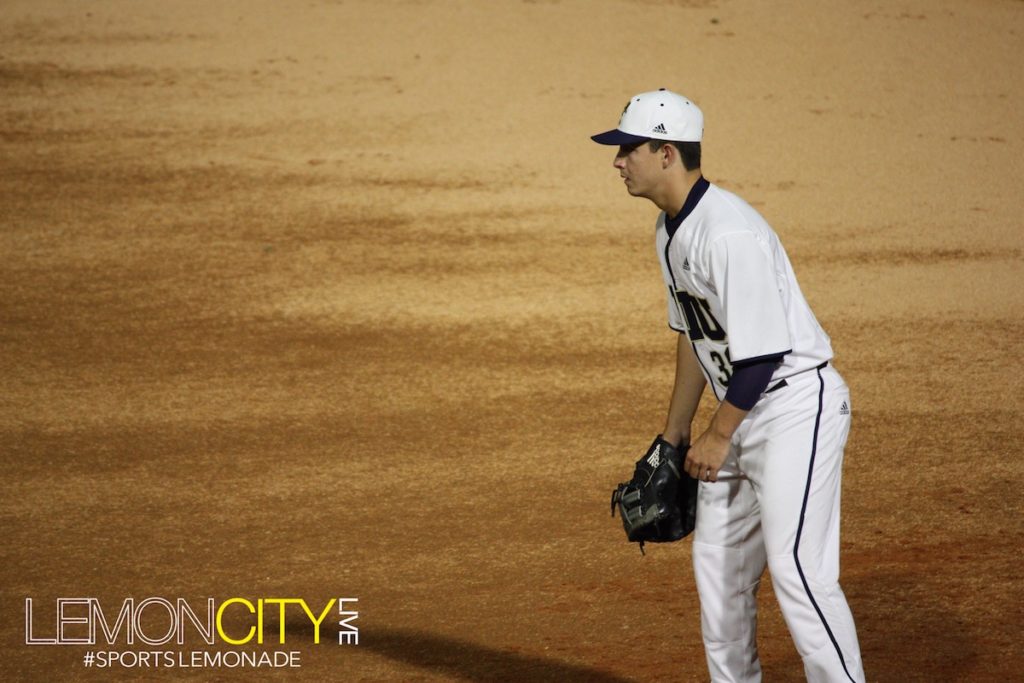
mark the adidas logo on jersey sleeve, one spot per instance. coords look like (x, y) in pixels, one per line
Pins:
(686, 264)
(844, 409)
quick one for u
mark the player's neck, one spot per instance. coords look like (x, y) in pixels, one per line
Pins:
(676, 190)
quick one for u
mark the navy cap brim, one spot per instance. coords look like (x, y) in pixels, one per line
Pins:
(617, 137)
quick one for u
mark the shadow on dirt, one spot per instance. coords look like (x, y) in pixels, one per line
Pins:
(907, 633)
(474, 662)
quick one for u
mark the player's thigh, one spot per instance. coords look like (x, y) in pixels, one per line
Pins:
(728, 511)
(728, 554)
(800, 484)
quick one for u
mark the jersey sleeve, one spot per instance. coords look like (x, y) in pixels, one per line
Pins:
(755, 318)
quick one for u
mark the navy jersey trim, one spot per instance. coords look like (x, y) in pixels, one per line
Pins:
(671, 225)
(762, 359)
(692, 199)
(800, 527)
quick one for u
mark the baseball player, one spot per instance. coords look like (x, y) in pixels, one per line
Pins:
(770, 461)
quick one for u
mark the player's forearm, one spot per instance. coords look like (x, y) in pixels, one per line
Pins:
(710, 450)
(726, 420)
(686, 393)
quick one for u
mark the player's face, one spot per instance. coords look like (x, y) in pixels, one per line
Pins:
(639, 168)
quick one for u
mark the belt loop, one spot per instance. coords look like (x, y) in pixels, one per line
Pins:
(784, 383)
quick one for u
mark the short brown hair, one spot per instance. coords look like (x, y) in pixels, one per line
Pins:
(689, 152)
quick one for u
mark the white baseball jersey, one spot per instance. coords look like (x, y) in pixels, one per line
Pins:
(732, 290)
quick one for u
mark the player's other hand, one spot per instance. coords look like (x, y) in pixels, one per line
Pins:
(706, 456)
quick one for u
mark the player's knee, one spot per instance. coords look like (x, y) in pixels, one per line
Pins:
(796, 579)
(716, 567)
(727, 583)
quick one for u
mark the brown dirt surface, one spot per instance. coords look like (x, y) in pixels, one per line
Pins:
(337, 299)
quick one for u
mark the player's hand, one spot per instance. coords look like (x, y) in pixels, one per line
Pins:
(706, 456)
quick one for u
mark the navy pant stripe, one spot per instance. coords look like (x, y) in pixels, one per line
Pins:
(800, 528)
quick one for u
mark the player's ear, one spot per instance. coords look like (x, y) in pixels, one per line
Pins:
(669, 155)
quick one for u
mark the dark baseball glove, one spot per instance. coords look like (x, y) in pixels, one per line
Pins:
(659, 504)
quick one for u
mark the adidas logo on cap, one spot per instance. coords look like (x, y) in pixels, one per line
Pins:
(660, 128)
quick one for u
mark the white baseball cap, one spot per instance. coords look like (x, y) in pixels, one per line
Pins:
(658, 115)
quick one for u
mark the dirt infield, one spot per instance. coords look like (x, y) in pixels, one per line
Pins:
(337, 299)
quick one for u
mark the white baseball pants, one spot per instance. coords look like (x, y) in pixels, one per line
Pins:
(776, 503)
